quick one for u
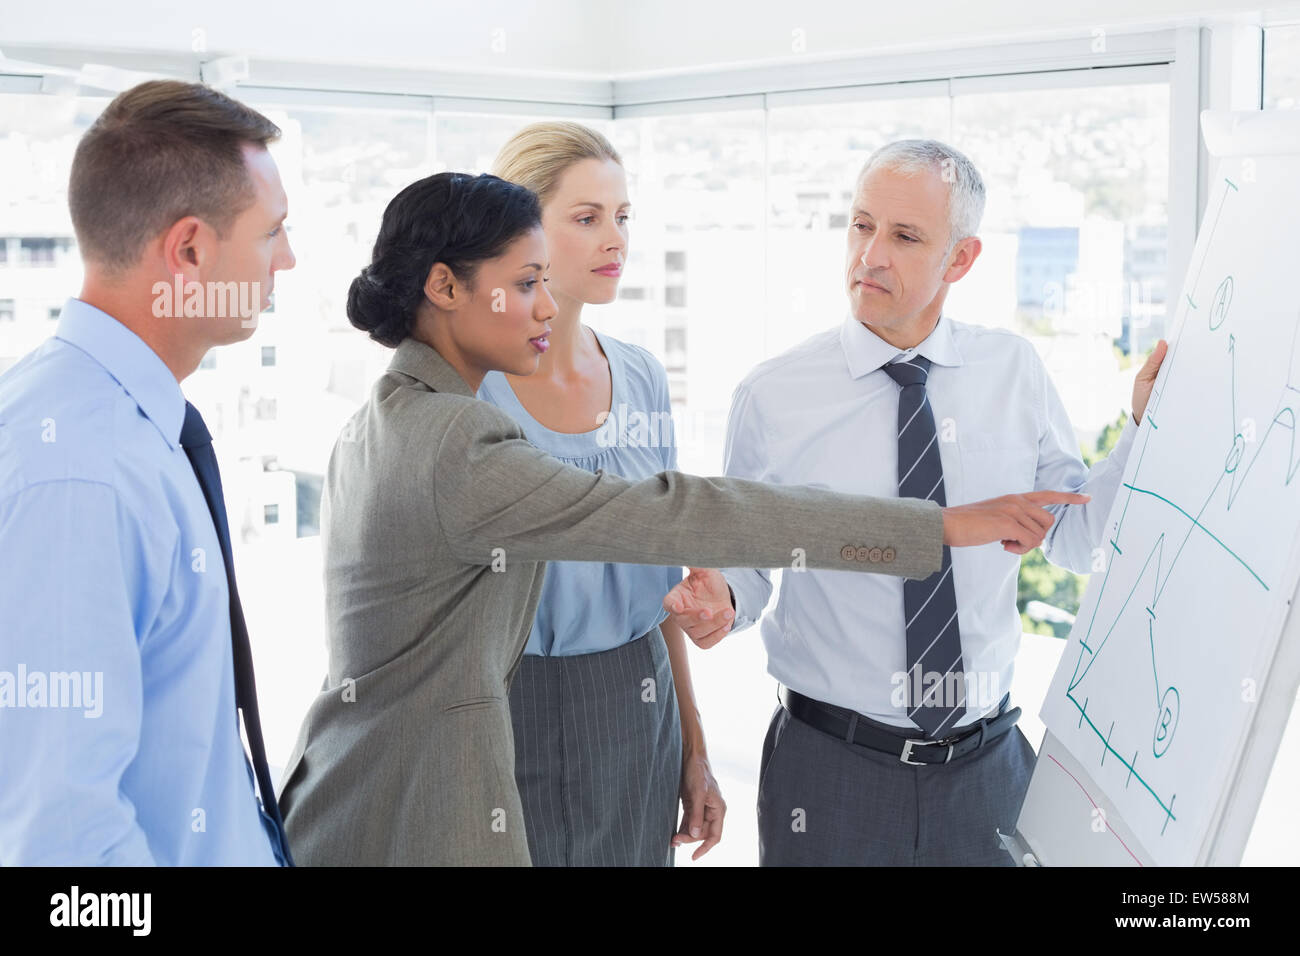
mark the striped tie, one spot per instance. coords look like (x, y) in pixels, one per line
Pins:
(929, 606)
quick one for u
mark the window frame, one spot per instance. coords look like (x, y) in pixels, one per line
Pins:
(1179, 55)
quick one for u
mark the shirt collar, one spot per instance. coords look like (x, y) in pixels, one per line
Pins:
(421, 362)
(132, 363)
(866, 352)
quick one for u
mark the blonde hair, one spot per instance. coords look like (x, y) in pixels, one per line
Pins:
(537, 156)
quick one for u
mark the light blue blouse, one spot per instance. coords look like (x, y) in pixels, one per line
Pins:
(589, 606)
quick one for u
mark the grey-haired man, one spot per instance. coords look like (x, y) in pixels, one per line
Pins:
(895, 743)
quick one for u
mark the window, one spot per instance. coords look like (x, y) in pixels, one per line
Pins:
(1077, 209)
(736, 254)
(696, 182)
(38, 135)
(38, 252)
(747, 211)
(1074, 258)
(675, 348)
(816, 152)
(469, 142)
(1282, 67)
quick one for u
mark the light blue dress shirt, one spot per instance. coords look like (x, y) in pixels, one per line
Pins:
(825, 414)
(119, 741)
(589, 606)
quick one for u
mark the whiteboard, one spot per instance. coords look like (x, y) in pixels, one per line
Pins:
(1182, 666)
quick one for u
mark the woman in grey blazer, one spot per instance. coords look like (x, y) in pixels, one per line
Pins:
(438, 517)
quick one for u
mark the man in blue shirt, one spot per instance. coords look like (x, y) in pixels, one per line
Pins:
(119, 677)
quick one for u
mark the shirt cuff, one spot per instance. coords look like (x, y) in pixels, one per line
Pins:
(737, 579)
(1124, 444)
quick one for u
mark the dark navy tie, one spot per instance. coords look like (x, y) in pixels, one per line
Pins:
(929, 606)
(197, 442)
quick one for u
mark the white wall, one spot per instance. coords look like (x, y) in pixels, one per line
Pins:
(592, 37)
(554, 36)
(681, 34)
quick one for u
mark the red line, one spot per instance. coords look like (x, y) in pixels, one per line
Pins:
(1094, 803)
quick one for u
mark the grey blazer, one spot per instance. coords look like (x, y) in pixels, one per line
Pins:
(437, 520)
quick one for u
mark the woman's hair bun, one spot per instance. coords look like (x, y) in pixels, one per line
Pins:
(453, 218)
(371, 308)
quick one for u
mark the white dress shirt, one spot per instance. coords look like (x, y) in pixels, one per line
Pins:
(825, 414)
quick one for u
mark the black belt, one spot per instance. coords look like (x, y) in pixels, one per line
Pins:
(853, 727)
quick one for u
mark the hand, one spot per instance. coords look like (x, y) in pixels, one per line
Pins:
(1018, 521)
(1146, 379)
(701, 606)
(702, 805)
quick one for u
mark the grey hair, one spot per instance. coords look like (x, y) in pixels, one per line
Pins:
(965, 185)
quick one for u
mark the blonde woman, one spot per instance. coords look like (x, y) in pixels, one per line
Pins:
(607, 735)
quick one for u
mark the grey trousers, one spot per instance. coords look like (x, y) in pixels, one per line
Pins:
(825, 802)
(598, 755)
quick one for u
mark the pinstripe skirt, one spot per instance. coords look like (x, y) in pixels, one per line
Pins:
(598, 755)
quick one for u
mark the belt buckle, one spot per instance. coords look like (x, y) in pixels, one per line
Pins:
(910, 742)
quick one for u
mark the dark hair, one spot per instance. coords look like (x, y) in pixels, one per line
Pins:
(159, 152)
(453, 218)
